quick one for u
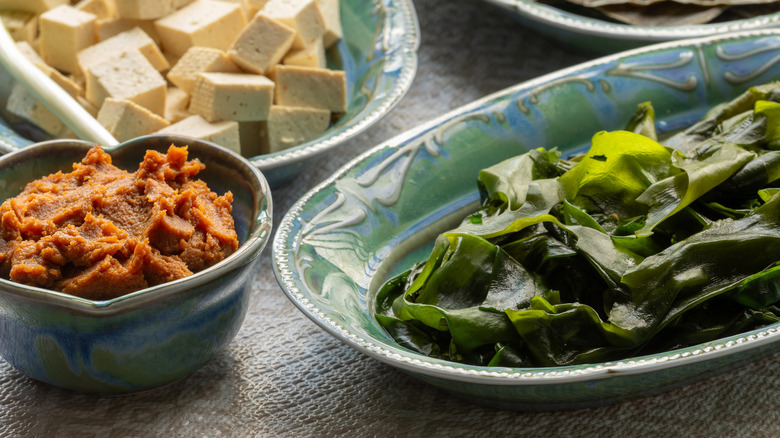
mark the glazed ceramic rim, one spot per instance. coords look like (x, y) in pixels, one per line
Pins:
(405, 55)
(424, 365)
(261, 225)
(559, 19)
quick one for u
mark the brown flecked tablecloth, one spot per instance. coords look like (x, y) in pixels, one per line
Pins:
(283, 376)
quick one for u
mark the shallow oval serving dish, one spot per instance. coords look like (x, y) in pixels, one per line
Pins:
(601, 36)
(150, 337)
(378, 53)
(381, 212)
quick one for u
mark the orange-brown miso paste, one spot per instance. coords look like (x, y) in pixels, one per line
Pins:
(100, 232)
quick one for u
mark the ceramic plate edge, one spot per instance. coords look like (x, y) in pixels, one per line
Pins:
(576, 23)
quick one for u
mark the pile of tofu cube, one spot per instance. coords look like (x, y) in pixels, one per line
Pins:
(250, 75)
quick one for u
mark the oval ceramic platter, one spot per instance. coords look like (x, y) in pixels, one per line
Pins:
(381, 212)
(378, 53)
(596, 35)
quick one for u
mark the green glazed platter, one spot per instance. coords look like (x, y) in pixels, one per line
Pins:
(380, 213)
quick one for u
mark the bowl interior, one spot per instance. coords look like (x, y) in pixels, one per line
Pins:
(252, 209)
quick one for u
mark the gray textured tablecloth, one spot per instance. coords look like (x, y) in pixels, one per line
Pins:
(283, 376)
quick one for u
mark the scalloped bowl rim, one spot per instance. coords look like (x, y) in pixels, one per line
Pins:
(560, 19)
(249, 249)
(497, 376)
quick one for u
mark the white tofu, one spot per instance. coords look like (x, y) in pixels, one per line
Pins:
(34, 6)
(64, 32)
(244, 7)
(255, 5)
(87, 105)
(172, 59)
(68, 84)
(223, 133)
(206, 23)
(232, 96)
(99, 8)
(199, 60)
(291, 126)
(26, 49)
(311, 56)
(23, 26)
(128, 76)
(254, 138)
(262, 44)
(22, 103)
(310, 87)
(332, 15)
(176, 103)
(108, 27)
(126, 120)
(134, 39)
(302, 15)
(147, 9)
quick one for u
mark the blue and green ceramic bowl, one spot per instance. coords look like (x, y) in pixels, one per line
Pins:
(150, 337)
(381, 212)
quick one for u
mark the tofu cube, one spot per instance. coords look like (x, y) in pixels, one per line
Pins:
(310, 56)
(134, 39)
(34, 6)
(22, 103)
(302, 15)
(310, 87)
(199, 60)
(248, 12)
(145, 9)
(255, 5)
(29, 52)
(176, 103)
(91, 109)
(262, 44)
(291, 126)
(232, 96)
(223, 133)
(99, 8)
(332, 15)
(108, 27)
(205, 23)
(23, 26)
(68, 84)
(64, 32)
(128, 76)
(126, 120)
(254, 138)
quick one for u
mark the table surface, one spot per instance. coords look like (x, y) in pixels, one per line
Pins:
(284, 376)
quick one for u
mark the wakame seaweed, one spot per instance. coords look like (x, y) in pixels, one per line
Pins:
(635, 247)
